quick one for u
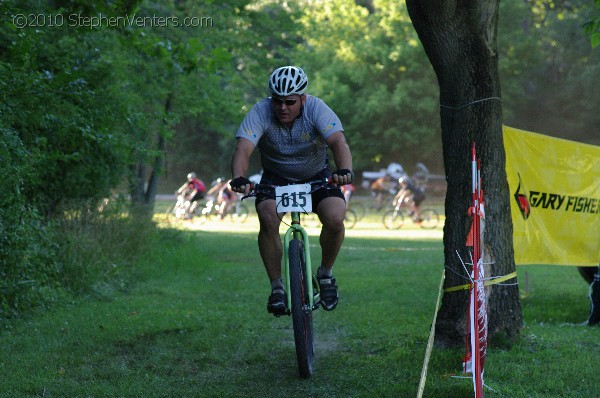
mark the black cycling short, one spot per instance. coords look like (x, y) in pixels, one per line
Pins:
(199, 195)
(317, 196)
(418, 196)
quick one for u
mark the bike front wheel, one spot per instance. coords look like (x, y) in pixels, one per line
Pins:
(169, 213)
(175, 213)
(429, 219)
(393, 219)
(199, 216)
(301, 311)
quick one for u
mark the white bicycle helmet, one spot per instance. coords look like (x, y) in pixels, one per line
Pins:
(395, 170)
(191, 175)
(288, 80)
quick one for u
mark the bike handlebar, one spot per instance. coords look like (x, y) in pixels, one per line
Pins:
(269, 190)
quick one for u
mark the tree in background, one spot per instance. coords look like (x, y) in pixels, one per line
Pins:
(366, 61)
(55, 98)
(548, 69)
(65, 123)
(460, 40)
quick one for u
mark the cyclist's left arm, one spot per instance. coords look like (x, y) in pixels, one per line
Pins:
(341, 156)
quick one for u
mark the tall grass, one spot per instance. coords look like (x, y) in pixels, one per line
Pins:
(86, 250)
(195, 325)
(99, 246)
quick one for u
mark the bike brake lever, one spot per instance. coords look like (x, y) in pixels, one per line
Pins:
(250, 194)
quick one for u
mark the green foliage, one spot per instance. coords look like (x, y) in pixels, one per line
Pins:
(592, 28)
(28, 264)
(99, 246)
(55, 99)
(87, 105)
(84, 252)
(371, 69)
(548, 70)
(244, 46)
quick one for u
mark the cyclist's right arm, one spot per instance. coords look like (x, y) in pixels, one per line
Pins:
(239, 163)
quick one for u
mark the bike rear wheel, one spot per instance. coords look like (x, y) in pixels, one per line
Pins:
(301, 311)
(239, 213)
(358, 208)
(350, 218)
(429, 219)
(393, 219)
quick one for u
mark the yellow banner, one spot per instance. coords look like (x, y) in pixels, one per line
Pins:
(555, 199)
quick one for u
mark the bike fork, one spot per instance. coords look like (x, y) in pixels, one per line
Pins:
(297, 232)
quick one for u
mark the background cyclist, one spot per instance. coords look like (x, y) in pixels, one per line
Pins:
(417, 193)
(193, 190)
(293, 131)
(226, 199)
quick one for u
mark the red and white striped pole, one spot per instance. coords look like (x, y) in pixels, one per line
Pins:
(477, 287)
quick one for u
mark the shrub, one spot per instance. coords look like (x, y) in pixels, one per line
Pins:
(27, 252)
(88, 248)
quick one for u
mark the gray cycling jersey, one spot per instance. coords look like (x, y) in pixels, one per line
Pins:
(295, 154)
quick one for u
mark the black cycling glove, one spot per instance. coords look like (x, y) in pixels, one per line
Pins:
(343, 172)
(239, 182)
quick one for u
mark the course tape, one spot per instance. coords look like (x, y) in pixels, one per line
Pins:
(393, 249)
(488, 282)
(430, 341)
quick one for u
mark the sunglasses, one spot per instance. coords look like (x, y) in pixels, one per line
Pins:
(281, 101)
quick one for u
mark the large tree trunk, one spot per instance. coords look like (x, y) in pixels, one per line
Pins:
(459, 38)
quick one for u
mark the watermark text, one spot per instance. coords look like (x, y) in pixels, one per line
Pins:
(22, 21)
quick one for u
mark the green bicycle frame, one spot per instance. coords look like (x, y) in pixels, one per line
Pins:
(296, 231)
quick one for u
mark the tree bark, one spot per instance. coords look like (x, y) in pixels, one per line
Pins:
(459, 38)
(143, 194)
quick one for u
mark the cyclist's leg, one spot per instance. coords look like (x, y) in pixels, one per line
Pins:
(271, 252)
(269, 241)
(195, 200)
(331, 211)
(222, 208)
(378, 200)
(416, 205)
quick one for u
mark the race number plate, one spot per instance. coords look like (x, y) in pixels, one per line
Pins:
(294, 198)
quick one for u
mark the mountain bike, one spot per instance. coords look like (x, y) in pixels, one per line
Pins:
(403, 203)
(300, 282)
(181, 210)
(238, 212)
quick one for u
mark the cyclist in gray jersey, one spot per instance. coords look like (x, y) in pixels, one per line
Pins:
(293, 132)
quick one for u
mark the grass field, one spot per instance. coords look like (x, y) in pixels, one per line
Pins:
(195, 325)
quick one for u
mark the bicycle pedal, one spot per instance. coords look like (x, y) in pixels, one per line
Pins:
(316, 292)
(286, 312)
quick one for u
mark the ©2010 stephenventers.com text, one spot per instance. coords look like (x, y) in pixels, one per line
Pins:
(22, 21)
